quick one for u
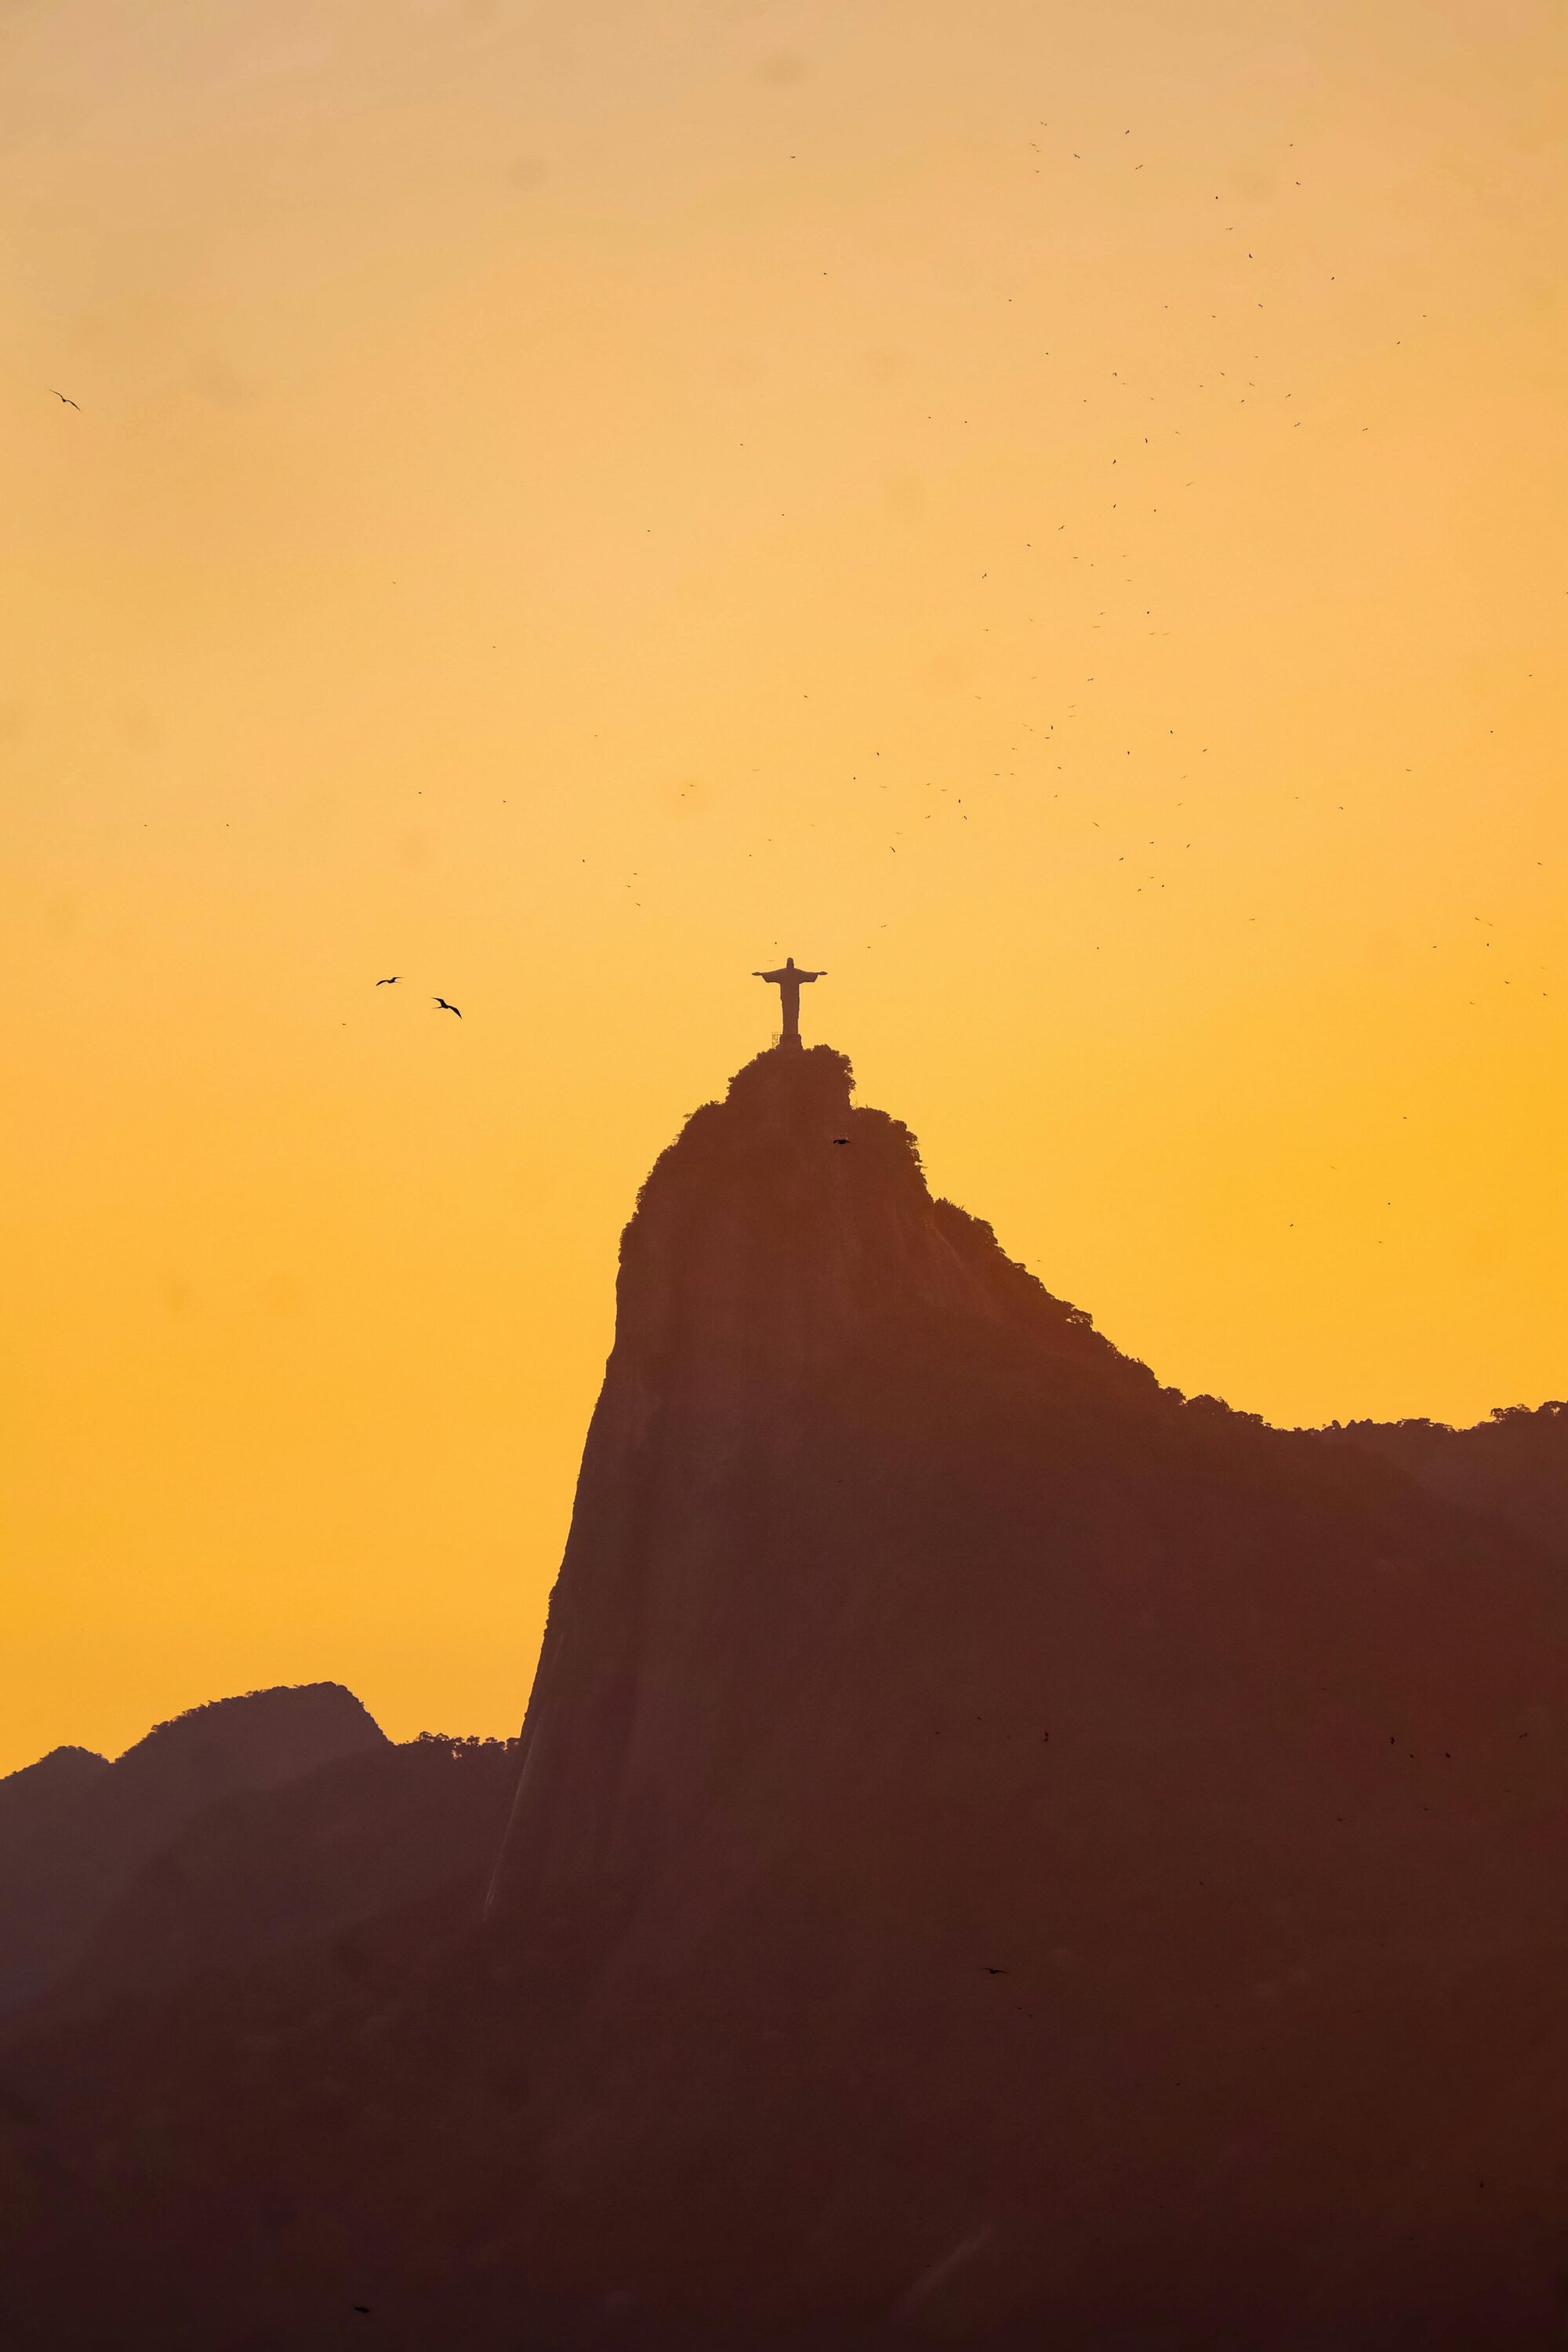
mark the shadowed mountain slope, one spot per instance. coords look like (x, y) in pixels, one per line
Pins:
(74, 1829)
(1003, 1854)
(1512, 1468)
(35, 1800)
(266, 1870)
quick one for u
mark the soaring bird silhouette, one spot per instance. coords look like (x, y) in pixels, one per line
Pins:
(445, 1007)
(391, 980)
(67, 398)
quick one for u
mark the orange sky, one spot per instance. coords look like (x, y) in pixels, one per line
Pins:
(1056, 514)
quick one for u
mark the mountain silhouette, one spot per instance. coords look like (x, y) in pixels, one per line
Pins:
(35, 1800)
(1003, 1853)
(1512, 1468)
(75, 1830)
(269, 1869)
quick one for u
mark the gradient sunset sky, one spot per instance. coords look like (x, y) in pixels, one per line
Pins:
(1054, 514)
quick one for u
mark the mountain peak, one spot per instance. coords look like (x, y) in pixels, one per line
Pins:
(269, 1734)
(799, 1321)
(787, 1222)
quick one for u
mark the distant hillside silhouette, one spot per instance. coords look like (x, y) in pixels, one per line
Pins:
(1003, 1854)
(32, 1800)
(267, 1870)
(75, 1830)
(1514, 1466)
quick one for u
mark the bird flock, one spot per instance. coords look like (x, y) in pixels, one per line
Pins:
(1250, 379)
(440, 1003)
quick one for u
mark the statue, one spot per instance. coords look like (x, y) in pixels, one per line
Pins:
(788, 982)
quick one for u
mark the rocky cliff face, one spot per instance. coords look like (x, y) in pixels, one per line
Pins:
(972, 1793)
(1002, 1853)
(790, 1299)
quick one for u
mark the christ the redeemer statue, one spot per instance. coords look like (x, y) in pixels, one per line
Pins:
(788, 982)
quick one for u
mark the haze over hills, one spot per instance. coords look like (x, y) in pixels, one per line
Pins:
(1514, 1466)
(75, 1829)
(267, 1871)
(1002, 1853)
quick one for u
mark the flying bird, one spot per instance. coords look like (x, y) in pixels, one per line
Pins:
(67, 398)
(391, 980)
(445, 1007)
